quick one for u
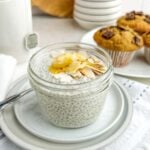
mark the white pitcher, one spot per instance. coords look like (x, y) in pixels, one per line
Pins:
(16, 33)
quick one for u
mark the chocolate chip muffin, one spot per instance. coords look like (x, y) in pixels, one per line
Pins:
(146, 38)
(120, 42)
(138, 21)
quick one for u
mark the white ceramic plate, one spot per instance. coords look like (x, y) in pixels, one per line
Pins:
(87, 17)
(15, 132)
(101, 11)
(138, 67)
(99, 4)
(28, 114)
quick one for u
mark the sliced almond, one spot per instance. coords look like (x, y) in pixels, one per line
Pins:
(97, 67)
(77, 65)
(87, 72)
(90, 60)
(96, 72)
(76, 75)
(101, 70)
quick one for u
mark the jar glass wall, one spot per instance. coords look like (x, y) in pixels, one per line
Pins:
(70, 105)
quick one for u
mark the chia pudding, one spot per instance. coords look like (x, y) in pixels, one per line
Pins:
(71, 81)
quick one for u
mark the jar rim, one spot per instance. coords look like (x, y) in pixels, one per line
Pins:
(110, 67)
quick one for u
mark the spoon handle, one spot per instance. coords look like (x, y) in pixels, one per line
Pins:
(14, 97)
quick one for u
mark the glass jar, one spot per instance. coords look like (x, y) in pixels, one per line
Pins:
(70, 105)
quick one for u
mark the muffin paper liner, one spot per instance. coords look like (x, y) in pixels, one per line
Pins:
(120, 58)
(147, 54)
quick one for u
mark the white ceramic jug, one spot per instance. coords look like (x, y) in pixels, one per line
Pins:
(16, 34)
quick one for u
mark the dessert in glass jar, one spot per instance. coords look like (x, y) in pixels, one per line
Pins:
(71, 81)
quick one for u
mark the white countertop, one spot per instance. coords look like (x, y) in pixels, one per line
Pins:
(53, 30)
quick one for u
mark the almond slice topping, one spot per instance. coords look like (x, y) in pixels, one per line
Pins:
(77, 65)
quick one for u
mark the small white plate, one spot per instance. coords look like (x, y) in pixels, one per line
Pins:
(28, 114)
(138, 67)
(16, 133)
(99, 4)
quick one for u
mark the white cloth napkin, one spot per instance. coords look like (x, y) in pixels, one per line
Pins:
(7, 66)
(137, 135)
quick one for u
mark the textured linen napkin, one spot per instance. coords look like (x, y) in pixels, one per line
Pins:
(137, 135)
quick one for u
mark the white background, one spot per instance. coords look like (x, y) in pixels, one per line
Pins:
(136, 5)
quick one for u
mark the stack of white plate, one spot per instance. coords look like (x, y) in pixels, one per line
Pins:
(92, 13)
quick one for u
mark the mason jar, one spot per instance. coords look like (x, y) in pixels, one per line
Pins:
(70, 105)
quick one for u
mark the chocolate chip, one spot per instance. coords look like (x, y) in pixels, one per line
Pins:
(133, 12)
(136, 12)
(108, 34)
(147, 33)
(140, 13)
(136, 40)
(130, 16)
(147, 18)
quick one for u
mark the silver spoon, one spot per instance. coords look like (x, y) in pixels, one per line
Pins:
(14, 97)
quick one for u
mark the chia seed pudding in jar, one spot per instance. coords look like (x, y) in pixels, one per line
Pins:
(71, 81)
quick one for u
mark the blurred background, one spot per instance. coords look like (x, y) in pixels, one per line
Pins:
(64, 8)
(49, 19)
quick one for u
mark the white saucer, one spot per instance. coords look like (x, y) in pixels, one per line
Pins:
(28, 114)
(138, 67)
(16, 133)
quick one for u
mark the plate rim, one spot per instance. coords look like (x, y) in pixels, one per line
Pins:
(123, 126)
(115, 71)
(100, 133)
